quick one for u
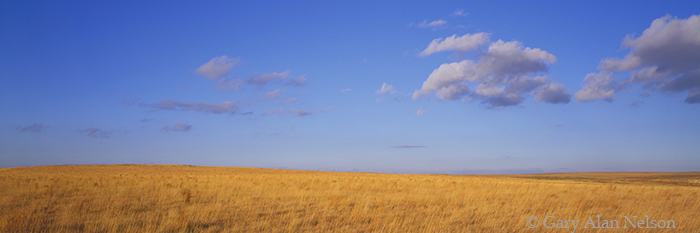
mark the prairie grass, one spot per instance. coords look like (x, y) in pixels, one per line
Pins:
(168, 198)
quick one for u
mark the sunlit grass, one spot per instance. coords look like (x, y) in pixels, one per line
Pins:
(141, 198)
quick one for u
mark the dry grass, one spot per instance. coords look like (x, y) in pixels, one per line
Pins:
(140, 198)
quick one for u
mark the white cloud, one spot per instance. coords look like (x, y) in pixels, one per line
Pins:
(511, 58)
(448, 74)
(597, 87)
(386, 89)
(217, 67)
(462, 44)
(453, 91)
(432, 24)
(420, 111)
(502, 75)
(666, 57)
(345, 90)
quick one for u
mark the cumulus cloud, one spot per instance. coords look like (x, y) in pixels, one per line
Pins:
(95, 132)
(453, 91)
(462, 44)
(435, 24)
(224, 107)
(666, 58)
(386, 89)
(553, 93)
(34, 128)
(598, 86)
(178, 127)
(217, 67)
(503, 74)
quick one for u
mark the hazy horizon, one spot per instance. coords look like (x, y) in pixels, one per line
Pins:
(449, 88)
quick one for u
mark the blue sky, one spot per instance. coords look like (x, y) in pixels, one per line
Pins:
(405, 87)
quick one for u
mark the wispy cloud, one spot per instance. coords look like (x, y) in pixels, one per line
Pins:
(295, 112)
(144, 120)
(290, 100)
(95, 132)
(225, 107)
(266, 78)
(435, 24)
(178, 127)
(299, 81)
(272, 95)
(459, 12)
(636, 103)
(217, 67)
(300, 113)
(345, 90)
(34, 128)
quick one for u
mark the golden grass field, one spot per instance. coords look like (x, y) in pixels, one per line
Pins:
(168, 198)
